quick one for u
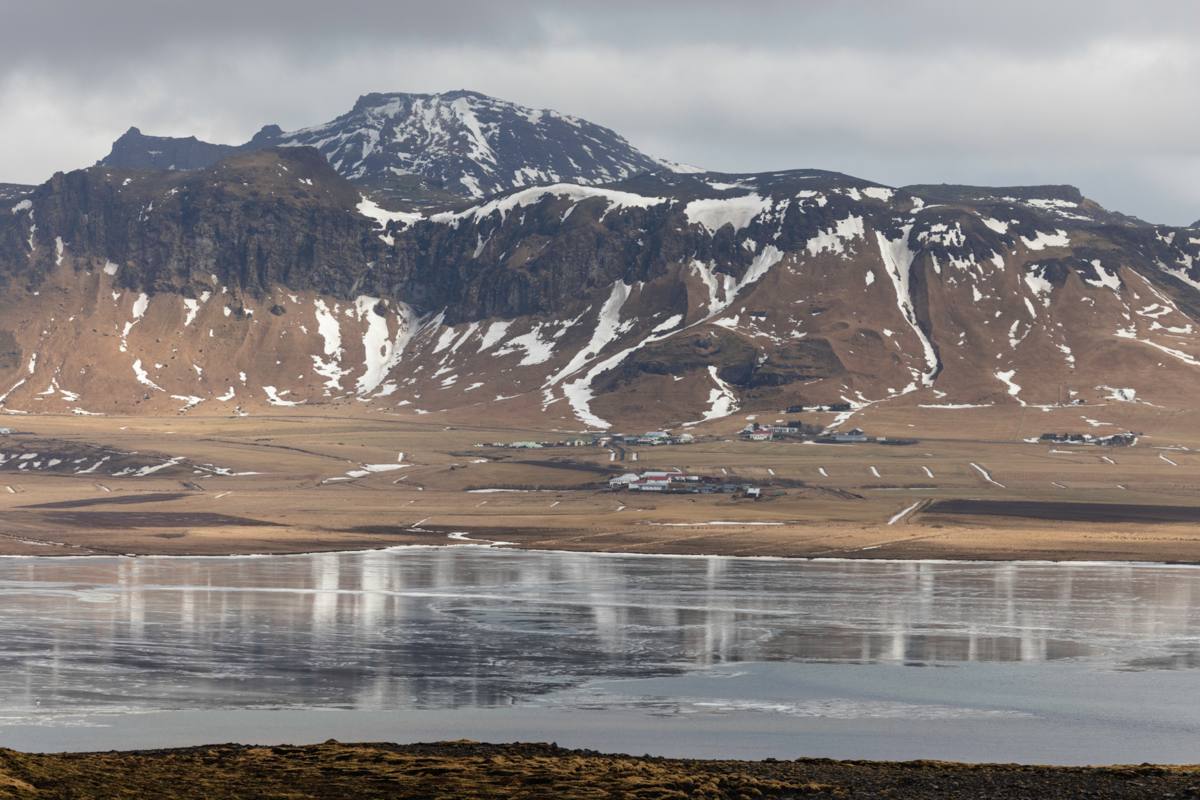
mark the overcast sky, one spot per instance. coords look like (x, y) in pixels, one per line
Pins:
(1100, 94)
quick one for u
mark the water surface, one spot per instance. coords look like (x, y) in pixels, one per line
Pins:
(684, 656)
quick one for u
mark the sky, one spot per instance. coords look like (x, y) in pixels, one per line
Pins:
(1094, 93)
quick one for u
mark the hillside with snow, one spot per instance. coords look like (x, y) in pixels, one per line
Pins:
(269, 280)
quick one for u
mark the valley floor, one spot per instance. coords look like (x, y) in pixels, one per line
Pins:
(971, 487)
(468, 769)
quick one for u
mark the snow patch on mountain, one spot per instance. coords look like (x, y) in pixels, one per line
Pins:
(715, 213)
(834, 239)
(1042, 240)
(897, 262)
(615, 199)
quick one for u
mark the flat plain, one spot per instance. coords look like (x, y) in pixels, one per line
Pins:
(974, 485)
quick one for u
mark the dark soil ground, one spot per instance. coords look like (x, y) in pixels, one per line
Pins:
(471, 770)
(1072, 512)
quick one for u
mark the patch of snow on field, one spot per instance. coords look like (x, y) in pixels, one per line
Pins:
(953, 406)
(902, 513)
(150, 470)
(987, 476)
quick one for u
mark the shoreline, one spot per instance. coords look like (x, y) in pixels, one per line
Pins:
(467, 768)
(511, 547)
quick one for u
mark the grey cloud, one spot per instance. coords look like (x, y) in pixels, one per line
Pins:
(1095, 93)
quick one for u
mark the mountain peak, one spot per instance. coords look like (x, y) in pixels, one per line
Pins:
(433, 147)
(135, 150)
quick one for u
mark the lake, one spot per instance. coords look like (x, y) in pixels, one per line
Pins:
(696, 656)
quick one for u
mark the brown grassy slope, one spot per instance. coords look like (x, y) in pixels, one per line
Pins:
(467, 769)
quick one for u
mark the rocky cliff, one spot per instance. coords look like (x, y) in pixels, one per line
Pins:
(269, 279)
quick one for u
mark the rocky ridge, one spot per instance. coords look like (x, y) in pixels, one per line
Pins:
(270, 280)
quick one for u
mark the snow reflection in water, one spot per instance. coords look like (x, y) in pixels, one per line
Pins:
(467, 626)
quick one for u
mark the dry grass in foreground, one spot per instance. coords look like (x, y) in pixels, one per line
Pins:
(469, 770)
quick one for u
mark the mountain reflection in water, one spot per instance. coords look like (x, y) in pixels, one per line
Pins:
(450, 627)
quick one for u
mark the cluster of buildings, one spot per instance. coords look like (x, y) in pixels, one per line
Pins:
(838, 407)
(678, 482)
(541, 445)
(651, 438)
(756, 432)
(1114, 440)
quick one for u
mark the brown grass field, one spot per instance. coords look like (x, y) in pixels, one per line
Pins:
(823, 500)
(467, 769)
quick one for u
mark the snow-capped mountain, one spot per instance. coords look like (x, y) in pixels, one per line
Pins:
(427, 147)
(269, 280)
(469, 144)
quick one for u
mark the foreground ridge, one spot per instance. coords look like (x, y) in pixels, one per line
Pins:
(470, 769)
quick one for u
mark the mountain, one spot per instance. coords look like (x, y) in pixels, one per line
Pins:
(268, 279)
(11, 192)
(425, 148)
(135, 150)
